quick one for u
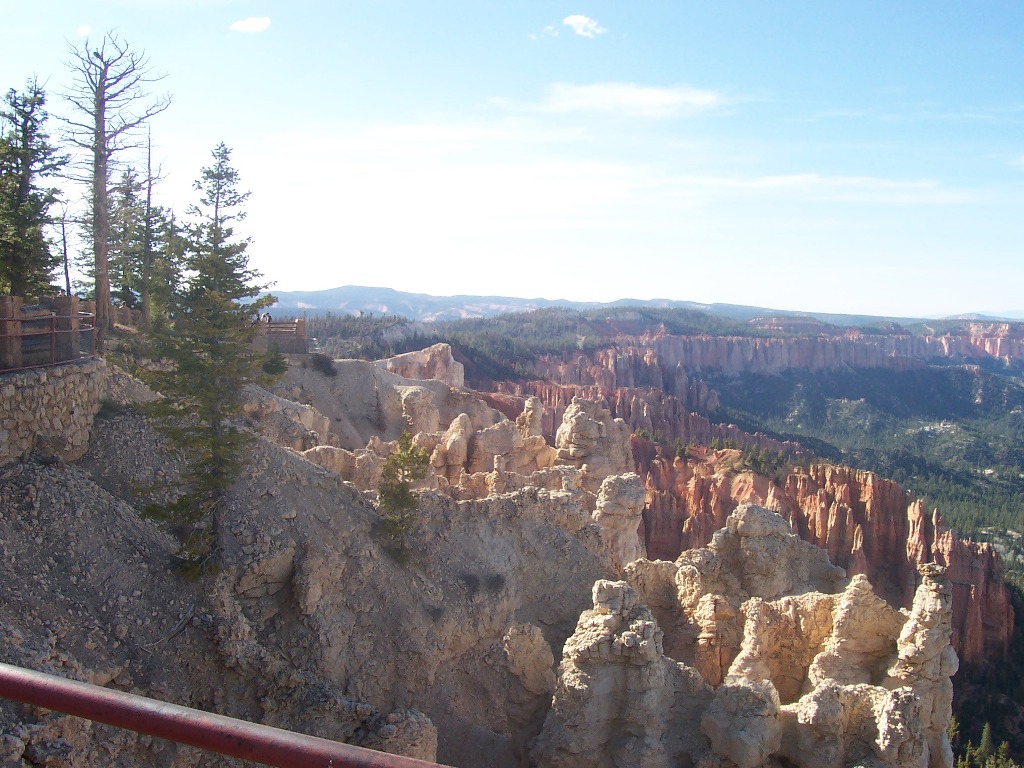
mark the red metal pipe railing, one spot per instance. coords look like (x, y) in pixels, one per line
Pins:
(79, 339)
(216, 733)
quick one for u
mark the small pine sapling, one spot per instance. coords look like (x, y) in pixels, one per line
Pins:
(402, 468)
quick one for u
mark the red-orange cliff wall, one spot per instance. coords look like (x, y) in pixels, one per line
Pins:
(976, 341)
(662, 361)
(867, 524)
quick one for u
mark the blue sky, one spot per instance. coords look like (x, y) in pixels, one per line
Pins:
(850, 157)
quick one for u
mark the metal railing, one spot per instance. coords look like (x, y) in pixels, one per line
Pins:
(49, 331)
(216, 733)
(45, 339)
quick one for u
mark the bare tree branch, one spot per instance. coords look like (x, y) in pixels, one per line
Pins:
(109, 88)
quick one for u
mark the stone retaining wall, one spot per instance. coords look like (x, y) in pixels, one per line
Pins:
(50, 410)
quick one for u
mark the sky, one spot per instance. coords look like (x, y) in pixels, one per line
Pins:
(851, 157)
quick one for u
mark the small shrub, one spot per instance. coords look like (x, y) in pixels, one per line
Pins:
(436, 612)
(110, 409)
(276, 364)
(323, 365)
(472, 582)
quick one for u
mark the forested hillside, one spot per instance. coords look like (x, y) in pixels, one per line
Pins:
(948, 434)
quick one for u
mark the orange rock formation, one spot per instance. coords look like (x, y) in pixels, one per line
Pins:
(866, 524)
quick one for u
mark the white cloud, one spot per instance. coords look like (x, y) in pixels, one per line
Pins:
(624, 99)
(549, 31)
(1019, 162)
(252, 24)
(583, 25)
(84, 31)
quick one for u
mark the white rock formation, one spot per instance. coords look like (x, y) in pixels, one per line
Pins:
(784, 665)
(362, 468)
(530, 422)
(435, 362)
(926, 661)
(530, 658)
(620, 700)
(475, 450)
(620, 503)
(590, 439)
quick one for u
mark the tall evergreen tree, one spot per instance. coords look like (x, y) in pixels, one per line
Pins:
(163, 263)
(127, 234)
(208, 343)
(986, 747)
(146, 244)
(26, 159)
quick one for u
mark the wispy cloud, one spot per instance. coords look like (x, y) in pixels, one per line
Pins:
(871, 190)
(549, 31)
(1018, 162)
(908, 112)
(252, 24)
(584, 26)
(84, 31)
(622, 99)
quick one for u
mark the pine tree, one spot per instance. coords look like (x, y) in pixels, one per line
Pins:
(126, 241)
(26, 159)
(985, 746)
(208, 345)
(403, 467)
(160, 267)
(146, 246)
(164, 264)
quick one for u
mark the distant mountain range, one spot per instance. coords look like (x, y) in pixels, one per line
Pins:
(355, 299)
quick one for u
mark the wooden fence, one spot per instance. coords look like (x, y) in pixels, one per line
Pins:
(56, 330)
(288, 337)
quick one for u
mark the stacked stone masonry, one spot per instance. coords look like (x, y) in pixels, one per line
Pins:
(50, 410)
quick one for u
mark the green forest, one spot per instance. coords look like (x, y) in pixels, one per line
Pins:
(949, 435)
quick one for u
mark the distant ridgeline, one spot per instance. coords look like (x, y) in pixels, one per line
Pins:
(356, 300)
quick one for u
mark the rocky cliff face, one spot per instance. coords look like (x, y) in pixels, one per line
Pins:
(975, 341)
(867, 525)
(309, 625)
(667, 363)
(89, 594)
(749, 653)
(649, 410)
(753, 651)
(630, 367)
(435, 362)
(742, 354)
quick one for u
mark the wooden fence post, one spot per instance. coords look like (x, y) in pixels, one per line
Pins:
(10, 331)
(68, 341)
